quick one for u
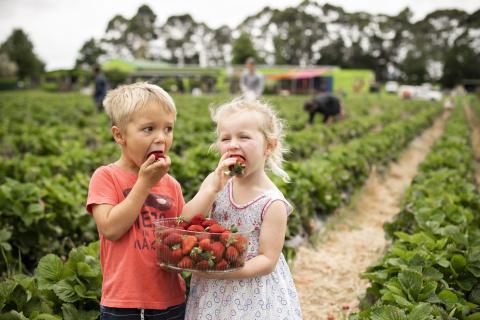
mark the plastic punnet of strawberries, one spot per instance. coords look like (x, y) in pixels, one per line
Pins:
(199, 245)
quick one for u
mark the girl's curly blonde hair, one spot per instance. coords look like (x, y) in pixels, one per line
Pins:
(270, 125)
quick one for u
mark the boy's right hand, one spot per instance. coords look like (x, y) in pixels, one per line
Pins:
(151, 171)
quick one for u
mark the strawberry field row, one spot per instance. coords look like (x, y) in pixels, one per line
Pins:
(432, 269)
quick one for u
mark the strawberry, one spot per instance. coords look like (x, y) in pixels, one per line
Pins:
(209, 222)
(240, 243)
(185, 263)
(203, 235)
(163, 253)
(218, 249)
(157, 154)
(205, 244)
(165, 233)
(225, 236)
(176, 254)
(221, 265)
(231, 254)
(173, 239)
(204, 264)
(195, 227)
(184, 225)
(197, 219)
(238, 168)
(196, 254)
(188, 243)
(216, 228)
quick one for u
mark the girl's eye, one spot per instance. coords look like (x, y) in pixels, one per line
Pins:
(147, 129)
(169, 129)
(244, 137)
(225, 139)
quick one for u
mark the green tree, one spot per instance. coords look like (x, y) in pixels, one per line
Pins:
(141, 30)
(242, 49)
(461, 62)
(89, 54)
(19, 49)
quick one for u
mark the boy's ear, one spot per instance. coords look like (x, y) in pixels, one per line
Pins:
(117, 135)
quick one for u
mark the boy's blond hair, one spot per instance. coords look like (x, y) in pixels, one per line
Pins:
(125, 100)
(270, 125)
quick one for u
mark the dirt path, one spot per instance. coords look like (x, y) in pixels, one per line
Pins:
(327, 277)
(474, 122)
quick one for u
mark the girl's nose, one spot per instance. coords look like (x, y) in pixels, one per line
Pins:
(233, 144)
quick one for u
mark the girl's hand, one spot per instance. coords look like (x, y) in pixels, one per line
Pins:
(217, 179)
(152, 171)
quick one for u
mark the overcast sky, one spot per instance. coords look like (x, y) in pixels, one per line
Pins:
(58, 28)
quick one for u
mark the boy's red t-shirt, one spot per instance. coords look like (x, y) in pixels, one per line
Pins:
(131, 276)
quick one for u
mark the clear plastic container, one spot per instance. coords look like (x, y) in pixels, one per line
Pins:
(185, 250)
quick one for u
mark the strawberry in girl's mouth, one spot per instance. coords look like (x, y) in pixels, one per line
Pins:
(238, 168)
(157, 154)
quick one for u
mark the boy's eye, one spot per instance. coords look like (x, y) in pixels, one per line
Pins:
(147, 129)
(169, 129)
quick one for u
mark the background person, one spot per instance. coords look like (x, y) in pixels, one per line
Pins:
(101, 87)
(327, 104)
(252, 82)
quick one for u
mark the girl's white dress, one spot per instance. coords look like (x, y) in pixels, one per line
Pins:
(272, 296)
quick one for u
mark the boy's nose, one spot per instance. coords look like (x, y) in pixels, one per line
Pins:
(160, 138)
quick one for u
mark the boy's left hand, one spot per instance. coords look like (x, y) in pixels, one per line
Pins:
(153, 170)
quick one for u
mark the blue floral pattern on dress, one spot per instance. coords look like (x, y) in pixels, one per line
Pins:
(272, 296)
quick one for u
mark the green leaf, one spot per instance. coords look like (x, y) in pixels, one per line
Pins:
(473, 316)
(474, 296)
(428, 290)
(85, 270)
(69, 312)
(13, 315)
(388, 313)
(458, 263)
(6, 288)
(420, 312)
(45, 316)
(65, 291)
(50, 270)
(448, 298)
(411, 282)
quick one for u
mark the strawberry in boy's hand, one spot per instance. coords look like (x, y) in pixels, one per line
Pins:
(158, 155)
(238, 168)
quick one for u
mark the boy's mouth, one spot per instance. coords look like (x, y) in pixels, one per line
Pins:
(158, 154)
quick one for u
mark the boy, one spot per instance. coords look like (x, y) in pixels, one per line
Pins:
(126, 196)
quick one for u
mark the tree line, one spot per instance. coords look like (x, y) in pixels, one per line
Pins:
(442, 47)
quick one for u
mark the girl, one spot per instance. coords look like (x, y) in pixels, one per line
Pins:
(263, 288)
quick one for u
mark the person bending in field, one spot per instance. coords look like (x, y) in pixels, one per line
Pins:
(326, 104)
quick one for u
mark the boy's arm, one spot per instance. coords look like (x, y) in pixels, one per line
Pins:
(114, 221)
(272, 237)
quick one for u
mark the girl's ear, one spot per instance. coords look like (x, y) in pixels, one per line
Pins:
(271, 145)
(117, 135)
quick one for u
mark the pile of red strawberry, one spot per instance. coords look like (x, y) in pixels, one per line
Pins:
(201, 244)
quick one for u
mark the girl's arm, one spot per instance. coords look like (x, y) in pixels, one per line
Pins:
(272, 237)
(215, 181)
